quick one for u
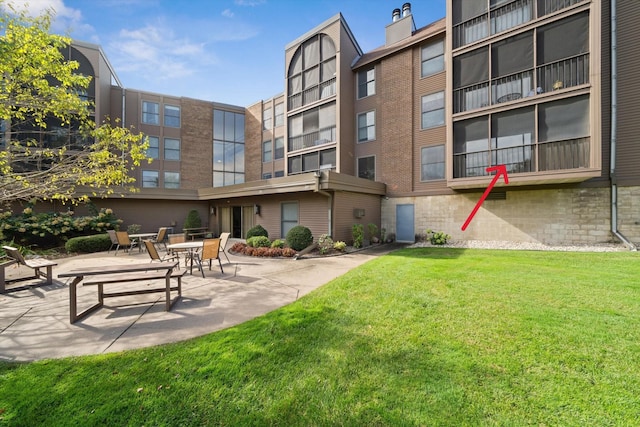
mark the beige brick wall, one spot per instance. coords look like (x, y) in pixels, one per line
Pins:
(196, 151)
(555, 216)
(253, 142)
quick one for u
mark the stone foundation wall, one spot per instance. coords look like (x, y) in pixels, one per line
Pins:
(555, 216)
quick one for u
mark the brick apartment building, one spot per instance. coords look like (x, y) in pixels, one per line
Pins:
(401, 136)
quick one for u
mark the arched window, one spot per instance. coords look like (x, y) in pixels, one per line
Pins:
(312, 72)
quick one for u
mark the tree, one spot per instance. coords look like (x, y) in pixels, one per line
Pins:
(54, 150)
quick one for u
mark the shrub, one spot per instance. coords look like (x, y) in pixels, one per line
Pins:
(288, 252)
(88, 244)
(134, 228)
(325, 244)
(299, 237)
(357, 231)
(52, 229)
(437, 237)
(238, 247)
(257, 230)
(259, 242)
(193, 220)
(277, 244)
(340, 246)
(261, 251)
(373, 231)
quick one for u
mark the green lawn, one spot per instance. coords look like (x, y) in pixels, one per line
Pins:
(426, 336)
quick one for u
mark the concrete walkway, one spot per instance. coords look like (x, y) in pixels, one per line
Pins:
(34, 321)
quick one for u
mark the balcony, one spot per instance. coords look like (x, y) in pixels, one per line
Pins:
(568, 72)
(551, 156)
(546, 7)
(311, 139)
(321, 91)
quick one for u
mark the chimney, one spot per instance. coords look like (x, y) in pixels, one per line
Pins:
(395, 15)
(406, 9)
(401, 26)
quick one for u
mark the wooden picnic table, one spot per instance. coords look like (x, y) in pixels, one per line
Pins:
(196, 231)
(119, 274)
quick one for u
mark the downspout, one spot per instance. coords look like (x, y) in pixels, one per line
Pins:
(614, 130)
(318, 176)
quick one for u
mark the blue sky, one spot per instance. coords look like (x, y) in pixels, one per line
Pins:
(229, 51)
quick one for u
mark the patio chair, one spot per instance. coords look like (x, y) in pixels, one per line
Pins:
(114, 239)
(155, 256)
(210, 251)
(124, 242)
(161, 237)
(179, 238)
(224, 238)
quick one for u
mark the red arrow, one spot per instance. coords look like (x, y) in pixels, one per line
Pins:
(500, 170)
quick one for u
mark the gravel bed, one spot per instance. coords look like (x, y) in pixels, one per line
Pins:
(528, 246)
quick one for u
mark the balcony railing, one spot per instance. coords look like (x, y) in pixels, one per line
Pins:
(557, 75)
(567, 72)
(549, 6)
(568, 154)
(470, 31)
(511, 15)
(557, 155)
(310, 139)
(323, 90)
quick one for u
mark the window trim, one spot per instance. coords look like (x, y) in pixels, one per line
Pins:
(146, 114)
(444, 162)
(422, 111)
(165, 115)
(366, 82)
(164, 149)
(157, 178)
(372, 156)
(423, 59)
(365, 113)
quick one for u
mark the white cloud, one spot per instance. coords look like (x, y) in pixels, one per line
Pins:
(227, 13)
(65, 18)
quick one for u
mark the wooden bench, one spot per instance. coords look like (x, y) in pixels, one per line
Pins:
(119, 275)
(37, 264)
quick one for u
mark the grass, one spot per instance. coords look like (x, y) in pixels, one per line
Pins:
(427, 336)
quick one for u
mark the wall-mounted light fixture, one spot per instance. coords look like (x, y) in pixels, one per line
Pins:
(256, 209)
(212, 210)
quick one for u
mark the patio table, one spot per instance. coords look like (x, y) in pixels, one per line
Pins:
(190, 246)
(139, 237)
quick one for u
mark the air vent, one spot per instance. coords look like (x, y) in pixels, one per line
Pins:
(497, 195)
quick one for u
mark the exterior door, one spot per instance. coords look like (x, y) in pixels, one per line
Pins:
(405, 232)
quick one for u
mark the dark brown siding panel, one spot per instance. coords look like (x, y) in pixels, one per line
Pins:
(628, 135)
(344, 218)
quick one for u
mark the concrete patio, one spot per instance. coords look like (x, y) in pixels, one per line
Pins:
(34, 320)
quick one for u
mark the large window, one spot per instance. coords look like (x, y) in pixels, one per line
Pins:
(171, 149)
(432, 163)
(509, 138)
(433, 110)
(266, 151)
(366, 82)
(150, 179)
(367, 126)
(367, 168)
(313, 127)
(432, 58)
(150, 113)
(551, 57)
(172, 116)
(172, 180)
(312, 72)
(228, 148)
(154, 147)
(316, 160)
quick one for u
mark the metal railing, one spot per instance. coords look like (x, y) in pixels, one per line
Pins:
(511, 15)
(549, 6)
(323, 90)
(567, 72)
(556, 155)
(310, 139)
(470, 31)
(514, 86)
(471, 97)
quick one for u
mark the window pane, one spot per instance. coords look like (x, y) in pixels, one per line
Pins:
(563, 39)
(172, 116)
(471, 135)
(279, 148)
(311, 77)
(171, 180)
(311, 53)
(150, 113)
(512, 55)
(328, 48)
(218, 124)
(266, 119)
(328, 158)
(150, 179)
(279, 115)
(564, 119)
(239, 131)
(218, 155)
(471, 68)
(266, 151)
(218, 179)
(296, 63)
(366, 82)
(512, 128)
(310, 162)
(229, 126)
(367, 168)
(432, 163)
(295, 164)
(239, 160)
(154, 147)
(171, 149)
(433, 110)
(229, 157)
